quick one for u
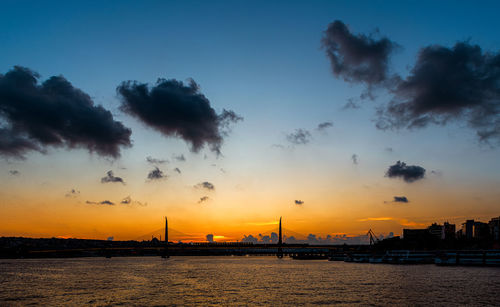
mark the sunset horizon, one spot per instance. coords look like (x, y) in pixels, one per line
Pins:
(339, 122)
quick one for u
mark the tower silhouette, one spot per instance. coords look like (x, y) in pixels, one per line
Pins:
(280, 243)
(165, 251)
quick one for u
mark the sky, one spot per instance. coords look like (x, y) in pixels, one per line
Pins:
(339, 116)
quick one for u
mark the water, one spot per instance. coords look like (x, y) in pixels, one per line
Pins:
(240, 281)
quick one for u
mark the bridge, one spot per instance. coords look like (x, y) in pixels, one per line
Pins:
(151, 246)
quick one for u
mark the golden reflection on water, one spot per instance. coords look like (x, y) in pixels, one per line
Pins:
(239, 281)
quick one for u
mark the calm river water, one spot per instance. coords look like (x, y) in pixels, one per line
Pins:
(240, 281)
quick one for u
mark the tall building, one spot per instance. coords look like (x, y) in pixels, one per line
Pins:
(449, 230)
(494, 226)
(437, 231)
(415, 234)
(481, 231)
(468, 229)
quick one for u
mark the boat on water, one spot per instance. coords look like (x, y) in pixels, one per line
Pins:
(449, 258)
(357, 257)
(406, 257)
(301, 256)
(390, 257)
(469, 258)
(336, 257)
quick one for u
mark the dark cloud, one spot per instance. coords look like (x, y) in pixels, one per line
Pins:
(400, 199)
(155, 161)
(357, 57)
(104, 202)
(177, 109)
(129, 201)
(203, 199)
(409, 173)
(354, 159)
(179, 158)
(111, 178)
(177, 170)
(156, 174)
(448, 84)
(14, 172)
(228, 117)
(299, 137)
(72, 193)
(299, 202)
(14, 145)
(205, 185)
(54, 113)
(210, 238)
(325, 125)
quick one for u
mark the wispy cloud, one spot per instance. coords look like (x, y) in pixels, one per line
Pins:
(179, 158)
(375, 219)
(262, 223)
(401, 221)
(203, 199)
(156, 174)
(104, 202)
(354, 159)
(72, 193)
(110, 177)
(205, 185)
(299, 137)
(323, 126)
(155, 161)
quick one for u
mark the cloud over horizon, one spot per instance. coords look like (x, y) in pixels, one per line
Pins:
(448, 84)
(203, 199)
(398, 199)
(323, 126)
(72, 193)
(156, 174)
(205, 185)
(110, 177)
(354, 159)
(357, 58)
(299, 137)
(129, 201)
(178, 110)
(54, 114)
(155, 161)
(104, 202)
(179, 158)
(408, 173)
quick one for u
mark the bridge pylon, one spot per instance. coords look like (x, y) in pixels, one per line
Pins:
(280, 243)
